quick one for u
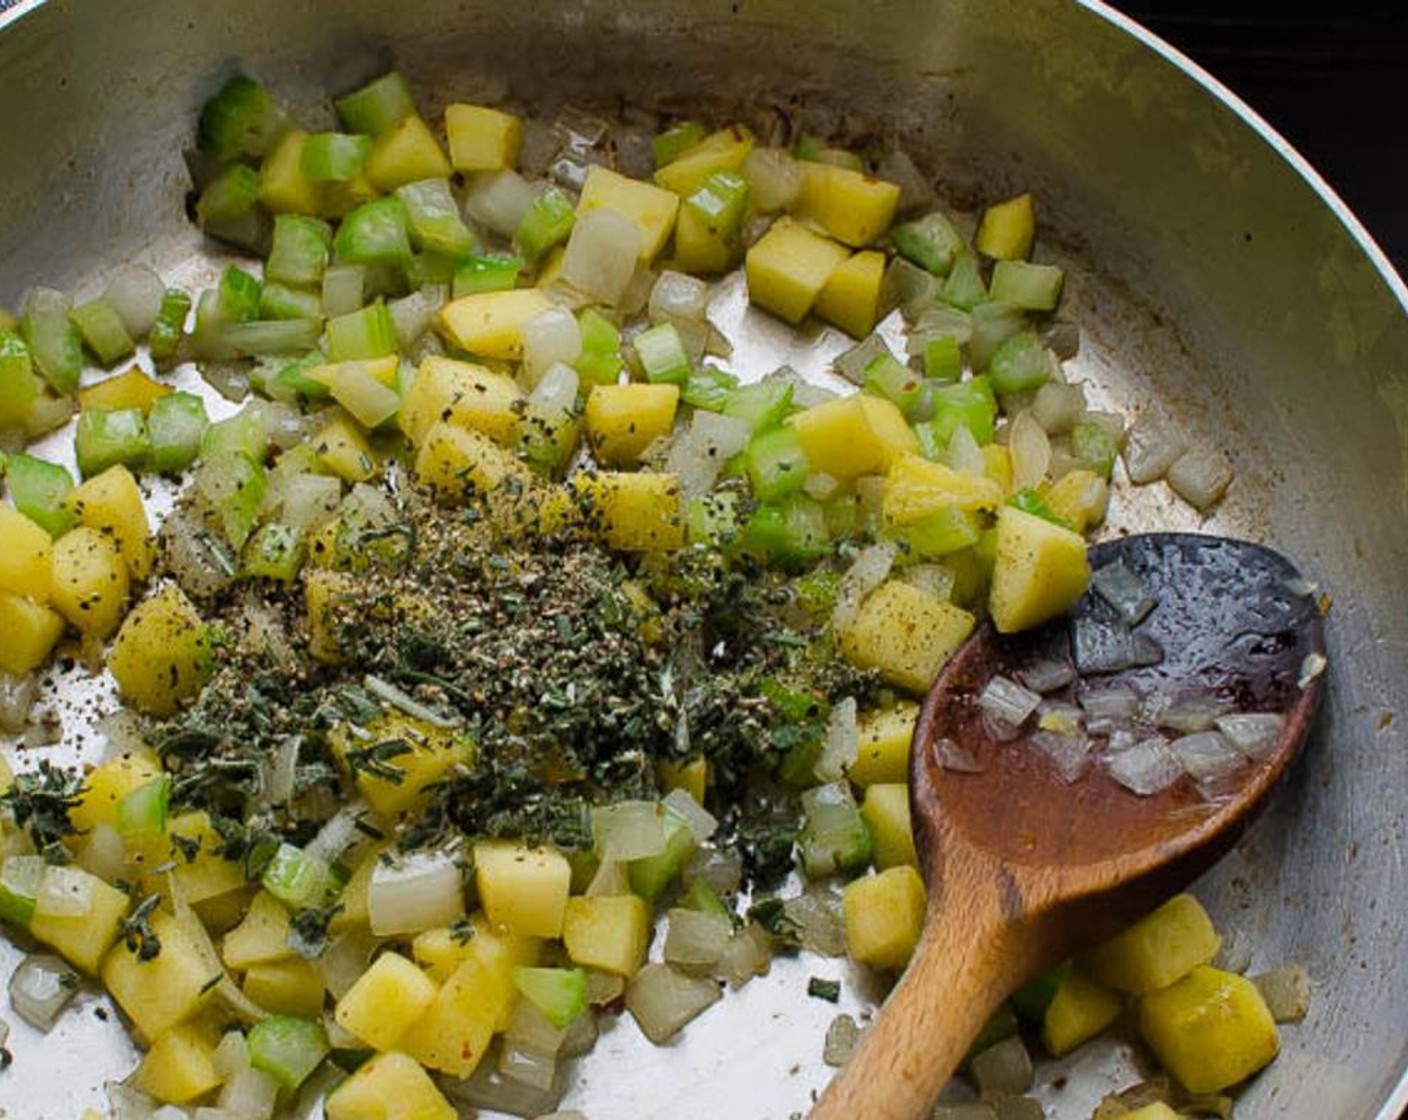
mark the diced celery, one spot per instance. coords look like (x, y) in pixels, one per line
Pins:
(600, 362)
(377, 106)
(279, 301)
(992, 324)
(546, 224)
(238, 296)
(39, 490)
(106, 437)
(651, 875)
(486, 274)
(344, 288)
(103, 330)
(711, 518)
(298, 879)
(710, 388)
(776, 464)
(240, 484)
(241, 120)
(964, 287)
(243, 432)
(430, 270)
(433, 218)
(367, 333)
(19, 385)
(170, 326)
(333, 157)
(366, 398)
(375, 233)
(722, 202)
(834, 837)
(1018, 364)
(676, 140)
(19, 888)
(287, 1048)
(262, 337)
(890, 378)
(54, 343)
(931, 242)
(143, 811)
(299, 253)
(699, 895)
(943, 358)
(290, 380)
(761, 405)
(790, 533)
(968, 404)
(1035, 287)
(275, 551)
(229, 196)
(175, 426)
(559, 993)
(1095, 446)
(942, 532)
(1029, 501)
(662, 355)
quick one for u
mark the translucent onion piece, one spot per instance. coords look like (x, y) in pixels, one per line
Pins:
(821, 486)
(842, 1037)
(498, 200)
(1200, 477)
(1151, 446)
(696, 940)
(1313, 665)
(698, 454)
(1255, 734)
(701, 823)
(1192, 713)
(1146, 767)
(601, 256)
(550, 337)
(581, 1035)
(231, 1055)
(416, 892)
(1062, 338)
(526, 1067)
(937, 579)
(1286, 991)
(1206, 755)
(851, 364)
(229, 379)
(964, 454)
(954, 757)
(486, 1088)
(677, 296)
(612, 878)
(127, 1103)
(969, 1110)
(1031, 452)
(40, 988)
(1069, 751)
(774, 179)
(1235, 952)
(604, 987)
(1003, 1068)
(629, 830)
(345, 959)
(528, 1029)
(1113, 703)
(309, 500)
(1102, 647)
(17, 696)
(170, 1112)
(250, 1093)
(663, 999)
(867, 572)
(135, 292)
(338, 833)
(1124, 591)
(841, 744)
(1007, 700)
(896, 167)
(998, 729)
(721, 869)
(1018, 1108)
(749, 954)
(1057, 408)
(64, 893)
(105, 854)
(413, 315)
(804, 393)
(817, 913)
(1047, 674)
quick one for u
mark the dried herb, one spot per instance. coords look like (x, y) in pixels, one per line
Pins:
(136, 930)
(308, 929)
(829, 990)
(40, 800)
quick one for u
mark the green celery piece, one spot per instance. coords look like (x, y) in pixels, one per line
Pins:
(298, 255)
(942, 532)
(377, 106)
(1018, 364)
(143, 811)
(1032, 999)
(430, 268)
(890, 378)
(40, 490)
(808, 147)
(103, 330)
(776, 464)
(298, 879)
(333, 157)
(791, 533)
(175, 426)
(943, 358)
(699, 895)
(249, 483)
(368, 333)
(19, 888)
(816, 593)
(1034, 287)
(287, 1048)
(652, 875)
(710, 388)
(722, 201)
(711, 518)
(275, 551)
(292, 380)
(243, 432)
(546, 224)
(376, 232)
(20, 386)
(170, 326)
(1029, 501)
(762, 405)
(797, 770)
(964, 287)
(662, 355)
(669, 145)
(1000, 1026)
(1095, 446)
(931, 242)
(106, 437)
(559, 993)
(237, 296)
(279, 301)
(240, 121)
(600, 362)
(263, 337)
(434, 218)
(55, 346)
(993, 324)
(486, 274)
(970, 404)
(229, 196)
(834, 836)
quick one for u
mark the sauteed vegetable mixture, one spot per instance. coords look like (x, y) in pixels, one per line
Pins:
(508, 657)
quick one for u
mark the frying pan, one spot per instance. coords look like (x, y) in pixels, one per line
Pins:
(1215, 277)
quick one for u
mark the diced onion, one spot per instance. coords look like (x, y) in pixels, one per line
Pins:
(1069, 751)
(171, 1112)
(338, 833)
(749, 954)
(851, 364)
(1146, 767)
(629, 830)
(399, 698)
(528, 1029)
(721, 869)
(1007, 700)
(229, 379)
(250, 1094)
(527, 1067)
(1124, 591)
(696, 940)
(1200, 477)
(842, 1037)
(40, 988)
(414, 314)
(1004, 1068)
(488, 1089)
(1192, 713)
(1057, 408)
(604, 987)
(842, 742)
(498, 200)
(127, 1103)
(601, 256)
(1313, 665)
(663, 999)
(1206, 755)
(817, 914)
(64, 892)
(1102, 647)
(774, 178)
(231, 1055)
(937, 579)
(17, 696)
(612, 878)
(309, 500)
(550, 337)
(964, 454)
(1255, 734)
(418, 891)
(700, 822)
(345, 959)
(1286, 991)
(896, 167)
(1047, 674)
(954, 757)
(867, 572)
(821, 486)
(105, 854)
(1031, 452)
(1151, 446)
(1235, 952)
(135, 292)
(1115, 704)
(678, 296)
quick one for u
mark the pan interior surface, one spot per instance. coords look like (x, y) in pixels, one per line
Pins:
(1213, 282)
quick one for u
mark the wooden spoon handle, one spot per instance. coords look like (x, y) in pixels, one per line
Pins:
(966, 963)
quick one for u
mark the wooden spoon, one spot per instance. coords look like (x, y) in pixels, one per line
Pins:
(1024, 868)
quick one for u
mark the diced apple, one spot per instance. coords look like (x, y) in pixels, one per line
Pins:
(490, 324)
(1159, 949)
(608, 932)
(884, 915)
(26, 559)
(386, 1001)
(885, 735)
(885, 811)
(482, 139)
(1039, 572)
(853, 207)
(651, 208)
(1080, 1009)
(90, 581)
(850, 298)
(906, 633)
(788, 267)
(167, 989)
(463, 394)
(623, 420)
(390, 1086)
(523, 888)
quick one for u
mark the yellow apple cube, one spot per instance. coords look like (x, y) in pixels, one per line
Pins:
(326, 595)
(482, 139)
(891, 429)
(652, 209)
(838, 438)
(442, 950)
(343, 449)
(31, 632)
(788, 267)
(885, 811)
(853, 207)
(288, 987)
(491, 324)
(111, 503)
(1080, 496)
(161, 656)
(385, 1001)
(430, 754)
(1080, 1009)
(724, 150)
(850, 298)
(462, 394)
(283, 188)
(608, 932)
(82, 939)
(260, 938)
(1007, 229)
(522, 888)
(623, 420)
(407, 152)
(107, 784)
(1211, 1030)
(390, 1086)
(133, 389)
(90, 582)
(26, 559)
(885, 735)
(1039, 572)
(460, 463)
(1159, 949)
(633, 512)
(168, 989)
(906, 634)
(179, 1067)
(454, 1032)
(884, 915)
(916, 488)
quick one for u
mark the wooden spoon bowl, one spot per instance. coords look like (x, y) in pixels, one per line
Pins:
(1025, 867)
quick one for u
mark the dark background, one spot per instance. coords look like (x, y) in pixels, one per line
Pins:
(1331, 79)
